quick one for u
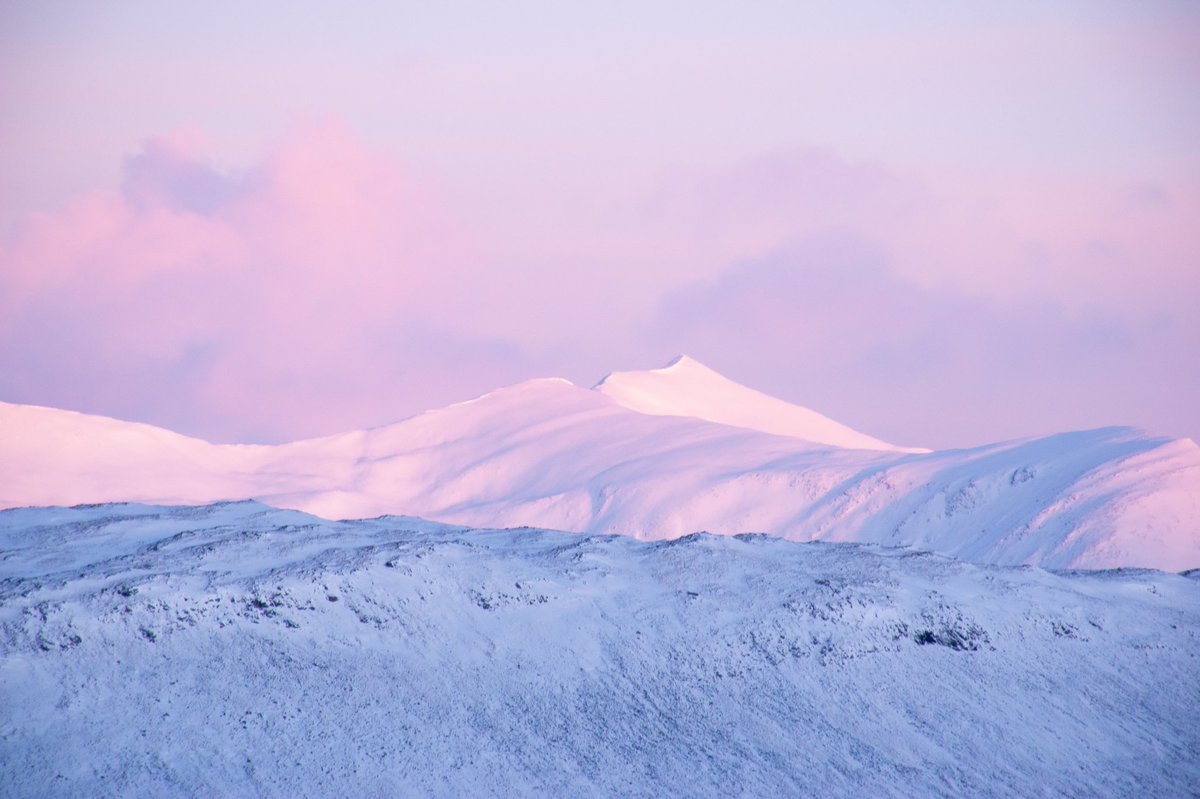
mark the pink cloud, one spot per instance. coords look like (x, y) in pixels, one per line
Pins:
(978, 305)
(827, 321)
(324, 288)
(306, 285)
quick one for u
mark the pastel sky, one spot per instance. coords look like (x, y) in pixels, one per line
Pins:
(941, 223)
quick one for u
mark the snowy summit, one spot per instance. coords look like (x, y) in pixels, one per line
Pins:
(686, 387)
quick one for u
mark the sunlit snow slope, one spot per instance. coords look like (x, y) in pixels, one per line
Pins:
(686, 387)
(550, 454)
(242, 651)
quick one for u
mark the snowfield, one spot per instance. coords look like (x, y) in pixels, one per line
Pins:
(236, 649)
(655, 455)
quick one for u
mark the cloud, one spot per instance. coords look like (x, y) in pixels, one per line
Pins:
(828, 322)
(1128, 247)
(168, 173)
(324, 287)
(309, 284)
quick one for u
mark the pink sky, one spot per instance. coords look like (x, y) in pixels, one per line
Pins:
(940, 228)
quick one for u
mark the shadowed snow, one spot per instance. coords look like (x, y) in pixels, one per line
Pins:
(239, 650)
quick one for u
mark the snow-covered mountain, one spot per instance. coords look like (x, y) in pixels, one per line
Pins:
(686, 387)
(237, 650)
(654, 455)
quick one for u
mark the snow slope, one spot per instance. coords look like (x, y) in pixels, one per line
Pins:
(550, 454)
(236, 650)
(686, 387)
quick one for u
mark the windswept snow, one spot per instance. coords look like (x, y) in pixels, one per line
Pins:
(239, 650)
(550, 454)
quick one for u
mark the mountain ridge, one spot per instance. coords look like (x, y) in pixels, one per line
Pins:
(550, 454)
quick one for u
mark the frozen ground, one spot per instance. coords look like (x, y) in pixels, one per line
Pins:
(654, 455)
(239, 650)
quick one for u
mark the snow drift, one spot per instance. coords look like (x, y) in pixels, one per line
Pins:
(655, 455)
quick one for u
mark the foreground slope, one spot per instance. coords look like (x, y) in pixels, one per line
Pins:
(239, 650)
(550, 454)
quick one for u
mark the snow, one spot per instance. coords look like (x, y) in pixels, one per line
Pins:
(550, 454)
(237, 649)
(686, 387)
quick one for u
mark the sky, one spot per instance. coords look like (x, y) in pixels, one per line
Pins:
(941, 224)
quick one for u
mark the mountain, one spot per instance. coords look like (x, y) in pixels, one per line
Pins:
(686, 387)
(550, 454)
(237, 650)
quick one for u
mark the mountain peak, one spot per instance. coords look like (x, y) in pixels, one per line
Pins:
(677, 367)
(686, 387)
(682, 361)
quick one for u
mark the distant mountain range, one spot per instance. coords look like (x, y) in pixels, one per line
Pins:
(654, 455)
